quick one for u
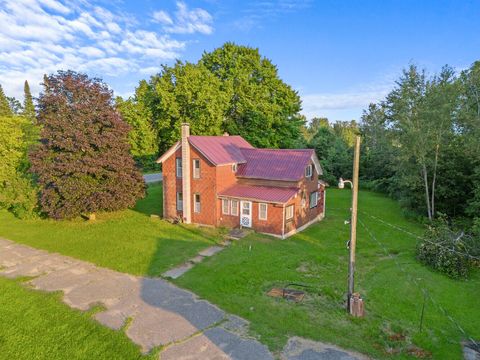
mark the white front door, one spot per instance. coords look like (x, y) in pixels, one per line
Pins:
(246, 213)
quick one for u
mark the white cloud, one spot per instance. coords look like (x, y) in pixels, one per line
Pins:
(256, 13)
(339, 105)
(43, 36)
(186, 21)
(162, 17)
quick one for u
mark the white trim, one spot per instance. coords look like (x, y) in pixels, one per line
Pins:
(178, 160)
(316, 162)
(260, 211)
(169, 152)
(311, 206)
(196, 175)
(179, 202)
(232, 207)
(223, 207)
(309, 172)
(324, 197)
(195, 202)
(293, 211)
(283, 220)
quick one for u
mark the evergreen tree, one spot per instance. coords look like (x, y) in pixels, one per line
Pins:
(82, 163)
(28, 107)
(5, 109)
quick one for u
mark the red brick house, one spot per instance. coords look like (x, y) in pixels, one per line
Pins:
(225, 181)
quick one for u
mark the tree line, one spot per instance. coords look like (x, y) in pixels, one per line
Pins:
(420, 144)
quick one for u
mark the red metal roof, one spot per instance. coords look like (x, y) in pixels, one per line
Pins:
(221, 149)
(275, 164)
(261, 193)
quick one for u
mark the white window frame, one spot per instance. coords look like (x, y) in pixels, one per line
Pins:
(178, 167)
(227, 203)
(313, 204)
(309, 171)
(234, 209)
(197, 204)
(196, 171)
(234, 168)
(289, 208)
(260, 211)
(179, 201)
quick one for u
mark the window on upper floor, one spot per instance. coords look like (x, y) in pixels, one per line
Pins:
(262, 211)
(178, 167)
(196, 200)
(309, 171)
(313, 199)
(196, 168)
(179, 201)
(225, 206)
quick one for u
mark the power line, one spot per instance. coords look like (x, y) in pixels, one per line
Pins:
(421, 238)
(422, 289)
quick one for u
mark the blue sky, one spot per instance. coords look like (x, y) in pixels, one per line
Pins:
(339, 55)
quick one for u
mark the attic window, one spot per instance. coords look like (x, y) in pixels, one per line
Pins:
(234, 167)
(308, 171)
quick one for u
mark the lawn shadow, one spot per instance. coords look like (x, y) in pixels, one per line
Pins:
(186, 326)
(152, 203)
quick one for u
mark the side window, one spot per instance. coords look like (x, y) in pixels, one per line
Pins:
(262, 211)
(289, 212)
(197, 203)
(179, 201)
(313, 199)
(234, 211)
(308, 171)
(225, 206)
(178, 166)
(234, 168)
(196, 168)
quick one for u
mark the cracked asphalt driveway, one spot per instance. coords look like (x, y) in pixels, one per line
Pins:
(153, 312)
(159, 314)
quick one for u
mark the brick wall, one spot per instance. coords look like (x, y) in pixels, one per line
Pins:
(171, 185)
(205, 186)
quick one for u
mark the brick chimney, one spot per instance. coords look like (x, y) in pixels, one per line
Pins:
(186, 181)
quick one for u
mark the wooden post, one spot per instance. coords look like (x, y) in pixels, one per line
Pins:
(353, 224)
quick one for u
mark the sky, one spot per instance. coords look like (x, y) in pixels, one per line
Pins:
(339, 55)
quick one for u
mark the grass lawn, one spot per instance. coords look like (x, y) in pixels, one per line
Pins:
(37, 325)
(128, 241)
(238, 278)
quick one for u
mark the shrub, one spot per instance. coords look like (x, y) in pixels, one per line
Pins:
(445, 250)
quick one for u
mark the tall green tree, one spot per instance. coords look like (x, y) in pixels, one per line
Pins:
(17, 191)
(142, 136)
(28, 106)
(83, 162)
(189, 93)
(5, 109)
(261, 107)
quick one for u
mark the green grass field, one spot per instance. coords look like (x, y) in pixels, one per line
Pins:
(128, 241)
(238, 278)
(37, 325)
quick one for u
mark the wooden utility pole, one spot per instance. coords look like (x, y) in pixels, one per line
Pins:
(353, 224)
